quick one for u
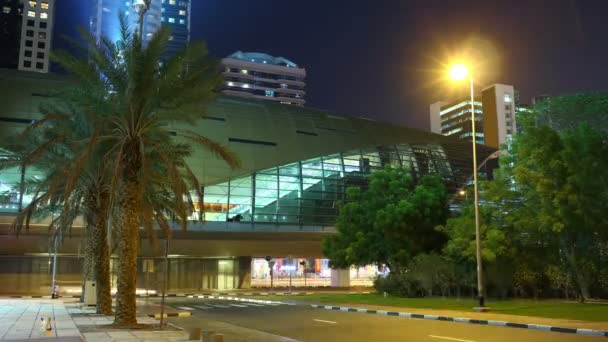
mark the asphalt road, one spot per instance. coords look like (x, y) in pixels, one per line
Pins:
(301, 322)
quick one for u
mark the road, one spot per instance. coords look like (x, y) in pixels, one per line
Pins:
(304, 323)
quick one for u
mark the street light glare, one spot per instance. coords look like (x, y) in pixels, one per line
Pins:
(459, 72)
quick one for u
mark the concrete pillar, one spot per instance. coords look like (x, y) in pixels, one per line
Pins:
(244, 269)
(340, 277)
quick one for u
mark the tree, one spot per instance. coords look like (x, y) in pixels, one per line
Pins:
(390, 222)
(567, 175)
(129, 106)
(141, 98)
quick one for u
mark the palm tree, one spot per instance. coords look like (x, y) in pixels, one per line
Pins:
(138, 98)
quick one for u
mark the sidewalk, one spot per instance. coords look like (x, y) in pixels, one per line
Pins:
(21, 320)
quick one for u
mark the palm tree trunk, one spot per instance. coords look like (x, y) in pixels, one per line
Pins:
(102, 261)
(128, 243)
(89, 255)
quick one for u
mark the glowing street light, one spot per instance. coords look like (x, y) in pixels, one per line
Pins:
(460, 72)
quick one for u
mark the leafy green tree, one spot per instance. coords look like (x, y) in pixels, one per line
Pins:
(567, 175)
(390, 222)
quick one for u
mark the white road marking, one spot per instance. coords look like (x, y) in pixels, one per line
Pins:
(324, 321)
(254, 304)
(449, 338)
(202, 307)
(219, 306)
(239, 305)
(185, 308)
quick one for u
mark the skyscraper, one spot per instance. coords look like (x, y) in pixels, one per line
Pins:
(176, 15)
(105, 20)
(26, 29)
(172, 13)
(494, 115)
(261, 76)
(11, 18)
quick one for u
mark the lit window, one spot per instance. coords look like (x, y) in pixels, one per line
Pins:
(172, 20)
(508, 98)
(44, 15)
(246, 86)
(162, 10)
(244, 71)
(6, 9)
(31, 14)
(127, 13)
(44, 5)
(182, 12)
(32, 4)
(162, 18)
(182, 21)
(230, 84)
(269, 93)
(171, 2)
(283, 85)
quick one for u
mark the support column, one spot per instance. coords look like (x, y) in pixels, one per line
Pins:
(340, 277)
(244, 272)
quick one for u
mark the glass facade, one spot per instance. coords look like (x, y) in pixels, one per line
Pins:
(307, 192)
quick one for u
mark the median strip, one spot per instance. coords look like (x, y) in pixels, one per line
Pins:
(466, 320)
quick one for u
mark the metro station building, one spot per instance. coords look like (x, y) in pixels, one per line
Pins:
(296, 164)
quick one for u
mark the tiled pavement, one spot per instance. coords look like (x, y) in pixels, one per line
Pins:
(21, 319)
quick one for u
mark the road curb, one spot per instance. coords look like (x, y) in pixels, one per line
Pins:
(171, 314)
(240, 294)
(541, 327)
(239, 299)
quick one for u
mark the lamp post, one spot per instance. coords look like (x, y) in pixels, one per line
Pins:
(460, 72)
(141, 7)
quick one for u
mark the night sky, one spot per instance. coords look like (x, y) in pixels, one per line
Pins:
(382, 59)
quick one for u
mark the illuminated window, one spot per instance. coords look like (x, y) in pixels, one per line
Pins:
(32, 4)
(244, 71)
(172, 20)
(31, 14)
(269, 93)
(182, 12)
(162, 19)
(171, 2)
(44, 15)
(44, 5)
(230, 84)
(182, 21)
(246, 86)
(508, 98)
(6, 9)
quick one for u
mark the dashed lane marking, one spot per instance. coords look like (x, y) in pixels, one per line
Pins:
(324, 321)
(449, 338)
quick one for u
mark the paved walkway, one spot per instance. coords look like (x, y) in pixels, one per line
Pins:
(21, 320)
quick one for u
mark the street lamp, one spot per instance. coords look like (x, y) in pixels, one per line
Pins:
(460, 72)
(141, 7)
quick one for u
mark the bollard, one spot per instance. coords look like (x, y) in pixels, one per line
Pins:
(48, 326)
(219, 338)
(207, 336)
(194, 334)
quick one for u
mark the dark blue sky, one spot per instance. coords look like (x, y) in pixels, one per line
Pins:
(379, 58)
